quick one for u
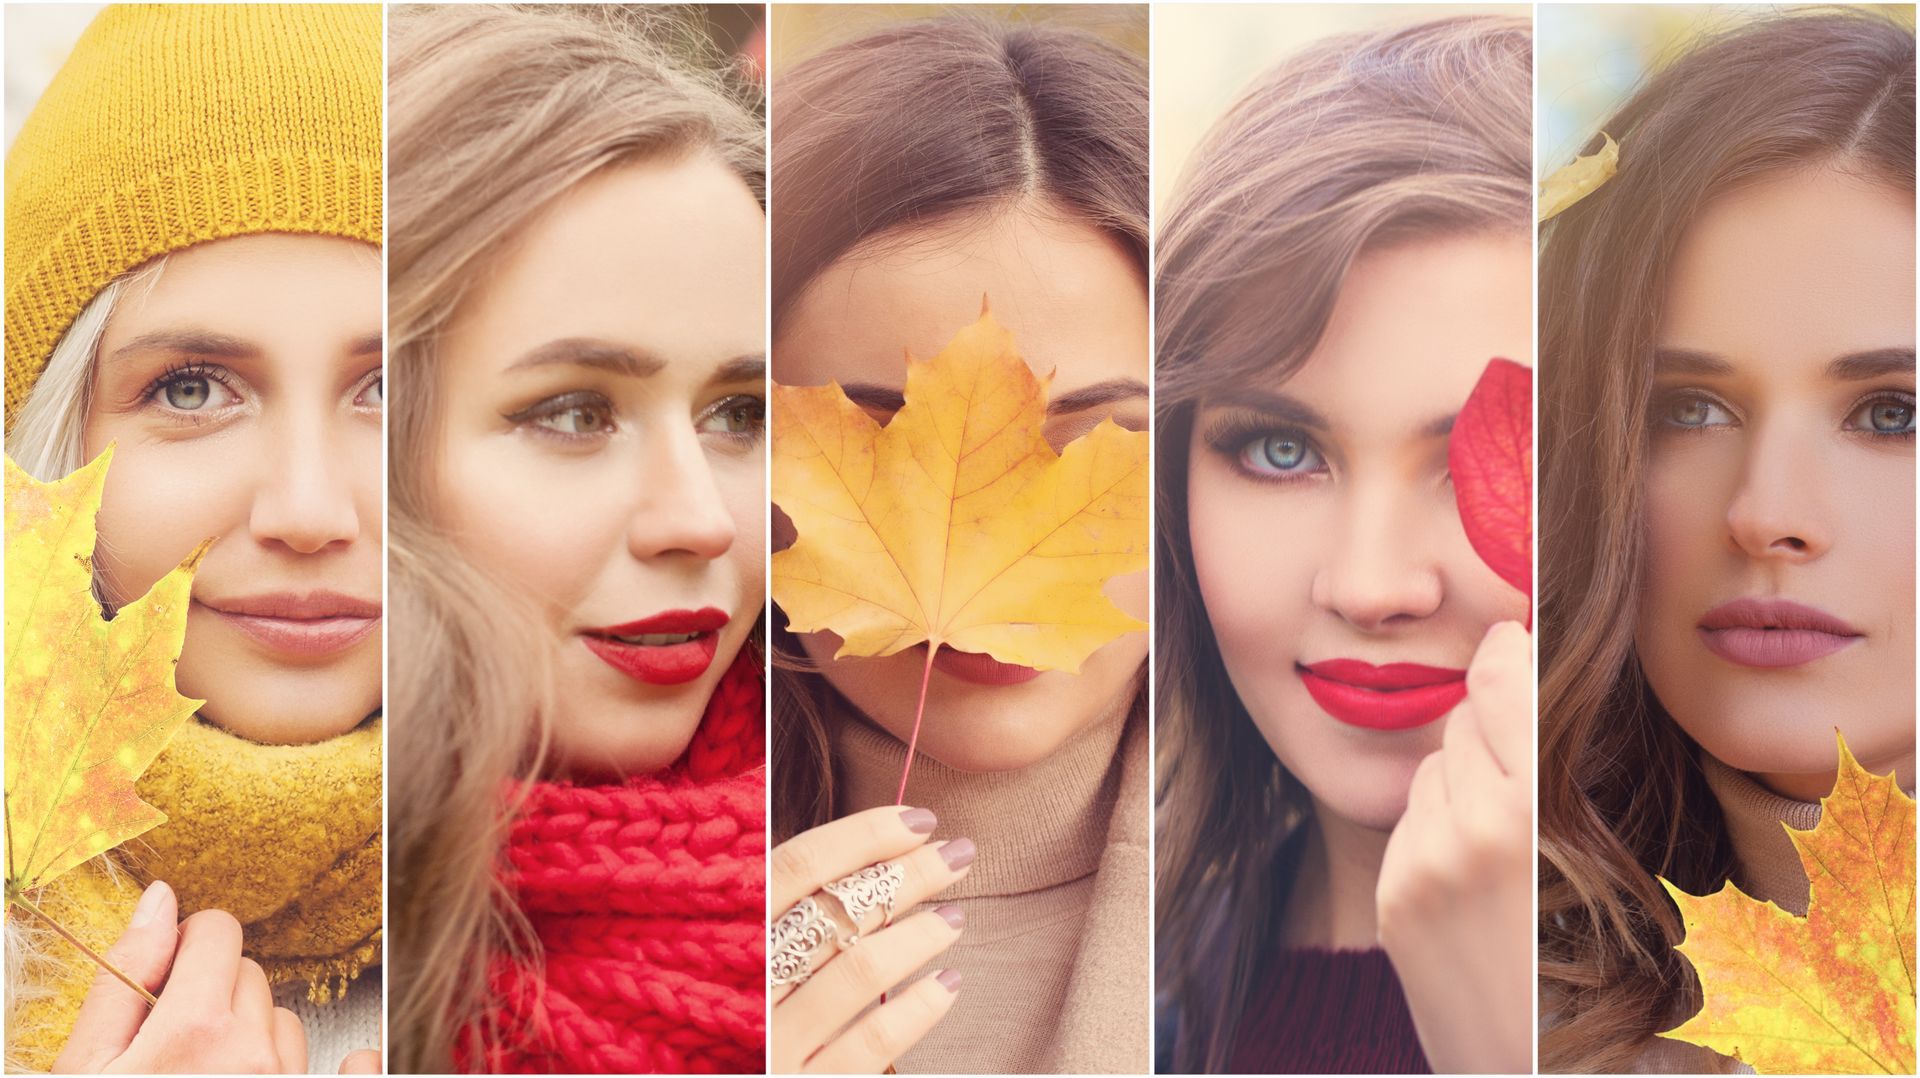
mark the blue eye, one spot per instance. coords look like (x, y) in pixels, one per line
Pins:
(1891, 416)
(1692, 411)
(1281, 454)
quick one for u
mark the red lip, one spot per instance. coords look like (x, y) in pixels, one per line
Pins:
(1397, 696)
(661, 664)
(1769, 634)
(979, 669)
(317, 624)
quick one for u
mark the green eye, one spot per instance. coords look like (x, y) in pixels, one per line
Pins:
(188, 394)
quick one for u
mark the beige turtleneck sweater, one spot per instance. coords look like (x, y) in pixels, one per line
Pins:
(1055, 956)
(1766, 867)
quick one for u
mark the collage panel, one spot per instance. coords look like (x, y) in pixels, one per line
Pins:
(1726, 285)
(578, 488)
(1343, 391)
(194, 629)
(959, 717)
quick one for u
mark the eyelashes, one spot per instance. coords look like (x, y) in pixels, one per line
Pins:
(584, 417)
(1265, 451)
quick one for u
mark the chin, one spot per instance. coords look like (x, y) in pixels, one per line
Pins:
(979, 747)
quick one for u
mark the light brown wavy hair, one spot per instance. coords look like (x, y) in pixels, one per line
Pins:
(916, 126)
(1622, 794)
(1357, 143)
(495, 112)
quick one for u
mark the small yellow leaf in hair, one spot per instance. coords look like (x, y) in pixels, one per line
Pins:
(1573, 182)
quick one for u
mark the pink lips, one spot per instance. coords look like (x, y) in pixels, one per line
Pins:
(1773, 633)
(313, 625)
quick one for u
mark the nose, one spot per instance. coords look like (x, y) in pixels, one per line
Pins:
(304, 499)
(681, 511)
(1382, 571)
(1778, 511)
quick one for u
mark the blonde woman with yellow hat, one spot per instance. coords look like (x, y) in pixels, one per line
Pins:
(193, 275)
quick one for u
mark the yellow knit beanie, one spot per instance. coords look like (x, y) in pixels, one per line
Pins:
(174, 124)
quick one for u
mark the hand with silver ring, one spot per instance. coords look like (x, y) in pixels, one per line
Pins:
(844, 883)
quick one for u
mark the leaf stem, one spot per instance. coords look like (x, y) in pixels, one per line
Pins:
(925, 677)
(24, 903)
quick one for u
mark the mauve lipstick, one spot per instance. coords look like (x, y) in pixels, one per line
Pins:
(692, 638)
(1397, 696)
(1771, 634)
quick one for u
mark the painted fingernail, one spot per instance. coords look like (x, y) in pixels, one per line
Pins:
(957, 853)
(953, 915)
(950, 978)
(919, 821)
(149, 906)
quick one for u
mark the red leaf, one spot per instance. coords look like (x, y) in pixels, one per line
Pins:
(1491, 457)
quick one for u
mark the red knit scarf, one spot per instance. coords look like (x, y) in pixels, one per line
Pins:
(648, 899)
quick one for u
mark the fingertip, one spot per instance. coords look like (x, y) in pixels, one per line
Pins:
(363, 1061)
(156, 900)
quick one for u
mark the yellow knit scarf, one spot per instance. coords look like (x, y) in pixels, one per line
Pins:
(284, 837)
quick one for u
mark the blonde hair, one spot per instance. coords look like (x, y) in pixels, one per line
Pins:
(1358, 142)
(496, 111)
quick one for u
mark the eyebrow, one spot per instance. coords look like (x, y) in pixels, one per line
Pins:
(1301, 414)
(587, 352)
(1852, 367)
(190, 342)
(742, 369)
(887, 399)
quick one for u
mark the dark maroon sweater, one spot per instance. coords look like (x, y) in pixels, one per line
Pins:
(1317, 1011)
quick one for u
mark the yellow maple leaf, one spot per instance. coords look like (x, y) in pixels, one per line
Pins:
(1576, 180)
(1831, 992)
(957, 524)
(90, 702)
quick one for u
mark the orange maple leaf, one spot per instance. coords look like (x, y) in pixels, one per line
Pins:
(1831, 992)
(957, 524)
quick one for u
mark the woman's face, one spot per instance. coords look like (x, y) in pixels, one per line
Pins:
(601, 447)
(1076, 305)
(242, 389)
(1324, 529)
(1778, 597)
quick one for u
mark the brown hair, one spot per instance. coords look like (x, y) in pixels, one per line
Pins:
(1357, 142)
(1622, 795)
(911, 127)
(496, 112)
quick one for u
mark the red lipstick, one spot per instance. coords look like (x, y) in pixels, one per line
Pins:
(666, 649)
(1397, 696)
(1769, 634)
(978, 668)
(313, 625)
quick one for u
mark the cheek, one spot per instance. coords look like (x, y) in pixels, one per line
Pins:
(743, 486)
(541, 526)
(1254, 559)
(162, 500)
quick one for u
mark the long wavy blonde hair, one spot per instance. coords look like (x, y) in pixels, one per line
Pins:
(495, 111)
(1357, 142)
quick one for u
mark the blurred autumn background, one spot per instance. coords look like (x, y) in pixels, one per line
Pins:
(800, 30)
(1205, 56)
(1590, 57)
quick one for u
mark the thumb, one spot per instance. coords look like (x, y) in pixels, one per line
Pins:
(112, 1012)
(365, 1061)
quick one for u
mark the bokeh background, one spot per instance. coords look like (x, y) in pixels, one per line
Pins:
(1590, 57)
(800, 30)
(1205, 55)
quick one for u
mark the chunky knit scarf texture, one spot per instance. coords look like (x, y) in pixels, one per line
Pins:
(648, 902)
(284, 837)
